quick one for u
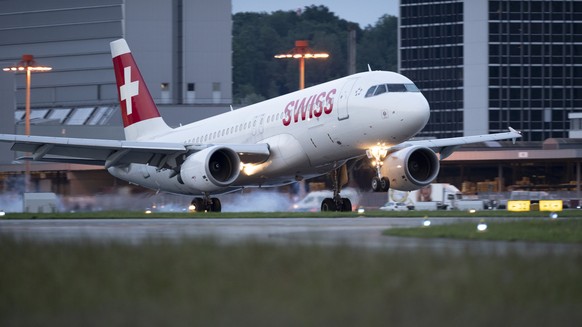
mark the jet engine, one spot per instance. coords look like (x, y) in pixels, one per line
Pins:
(211, 169)
(411, 168)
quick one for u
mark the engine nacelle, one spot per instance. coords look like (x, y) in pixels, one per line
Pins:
(411, 168)
(211, 169)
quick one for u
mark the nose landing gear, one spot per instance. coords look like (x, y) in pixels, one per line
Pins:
(378, 153)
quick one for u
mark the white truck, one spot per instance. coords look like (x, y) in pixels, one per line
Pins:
(436, 196)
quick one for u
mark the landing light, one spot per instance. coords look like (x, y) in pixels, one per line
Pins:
(2, 213)
(472, 211)
(482, 226)
(377, 152)
(191, 208)
(426, 222)
(553, 215)
(361, 211)
(148, 211)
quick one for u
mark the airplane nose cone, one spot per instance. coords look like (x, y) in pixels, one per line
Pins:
(419, 113)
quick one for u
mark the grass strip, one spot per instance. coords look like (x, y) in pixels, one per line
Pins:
(537, 230)
(202, 283)
(226, 215)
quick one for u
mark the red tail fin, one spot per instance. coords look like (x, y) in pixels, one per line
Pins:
(136, 102)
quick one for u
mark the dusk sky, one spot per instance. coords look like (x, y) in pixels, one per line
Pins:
(364, 12)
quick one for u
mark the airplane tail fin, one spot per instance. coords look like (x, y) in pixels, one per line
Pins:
(141, 118)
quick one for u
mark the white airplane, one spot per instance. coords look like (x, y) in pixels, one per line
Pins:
(296, 136)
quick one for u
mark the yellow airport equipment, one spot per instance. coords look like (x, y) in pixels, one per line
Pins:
(551, 205)
(517, 206)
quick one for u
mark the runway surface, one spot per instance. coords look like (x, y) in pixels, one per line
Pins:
(359, 232)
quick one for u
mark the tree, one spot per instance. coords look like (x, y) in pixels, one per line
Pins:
(257, 37)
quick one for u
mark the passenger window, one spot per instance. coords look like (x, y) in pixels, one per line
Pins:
(396, 88)
(381, 89)
(371, 91)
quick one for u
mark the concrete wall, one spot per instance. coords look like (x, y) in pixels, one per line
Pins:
(475, 70)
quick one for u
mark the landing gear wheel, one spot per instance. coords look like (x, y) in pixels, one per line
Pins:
(384, 185)
(380, 184)
(346, 205)
(216, 206)
(206, 204)
(198, 205)
(376, 184)
(328, 204)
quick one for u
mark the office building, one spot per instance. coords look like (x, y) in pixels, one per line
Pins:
(485, 65)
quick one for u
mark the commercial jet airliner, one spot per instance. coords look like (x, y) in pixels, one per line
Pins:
(296, 136)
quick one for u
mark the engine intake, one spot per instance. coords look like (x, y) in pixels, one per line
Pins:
(211, 169)
(411, 168)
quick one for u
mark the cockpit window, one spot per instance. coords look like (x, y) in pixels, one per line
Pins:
(411, 88)
(380, 89)
(371, 91)
(383, 88)
(396, 88)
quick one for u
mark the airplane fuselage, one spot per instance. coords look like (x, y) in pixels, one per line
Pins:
(309, 132)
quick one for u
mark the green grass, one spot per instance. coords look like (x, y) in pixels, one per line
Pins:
(201, 283)
(370, 213)
(538, 230)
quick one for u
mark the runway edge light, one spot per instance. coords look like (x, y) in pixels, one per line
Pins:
(482, 226)
(426, 222)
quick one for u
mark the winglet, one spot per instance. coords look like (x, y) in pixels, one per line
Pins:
(515, 132)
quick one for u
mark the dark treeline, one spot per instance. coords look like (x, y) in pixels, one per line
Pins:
(257, 37)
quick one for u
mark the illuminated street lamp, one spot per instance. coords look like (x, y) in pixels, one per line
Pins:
(302, 52)
(27, 64)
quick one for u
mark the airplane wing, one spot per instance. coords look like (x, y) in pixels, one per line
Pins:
(448, 145)
(113, 152)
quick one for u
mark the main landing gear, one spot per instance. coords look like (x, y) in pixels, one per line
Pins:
(378, 153)
(206, 204)
(337, 203)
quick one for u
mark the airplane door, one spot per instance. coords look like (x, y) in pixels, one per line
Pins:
(258, 126)
(342, 102)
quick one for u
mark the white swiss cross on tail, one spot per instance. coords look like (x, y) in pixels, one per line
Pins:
(128, 90)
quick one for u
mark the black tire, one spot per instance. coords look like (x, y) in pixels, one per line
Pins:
(328, 204)
(216, 205)
(346, 205)
(198, 204)
(384, 184)
(376, 184)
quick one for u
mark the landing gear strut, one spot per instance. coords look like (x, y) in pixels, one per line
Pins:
(378, 153)
(337, 203)
(206, 204)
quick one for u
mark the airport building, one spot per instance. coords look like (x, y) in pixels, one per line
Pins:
(485, 65)
(183, 49)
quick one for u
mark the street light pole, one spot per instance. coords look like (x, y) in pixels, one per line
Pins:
(28, 64)
(302, 52)
(27, 103)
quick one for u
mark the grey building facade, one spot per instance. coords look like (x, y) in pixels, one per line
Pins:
(485, 65)
(183, 49)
